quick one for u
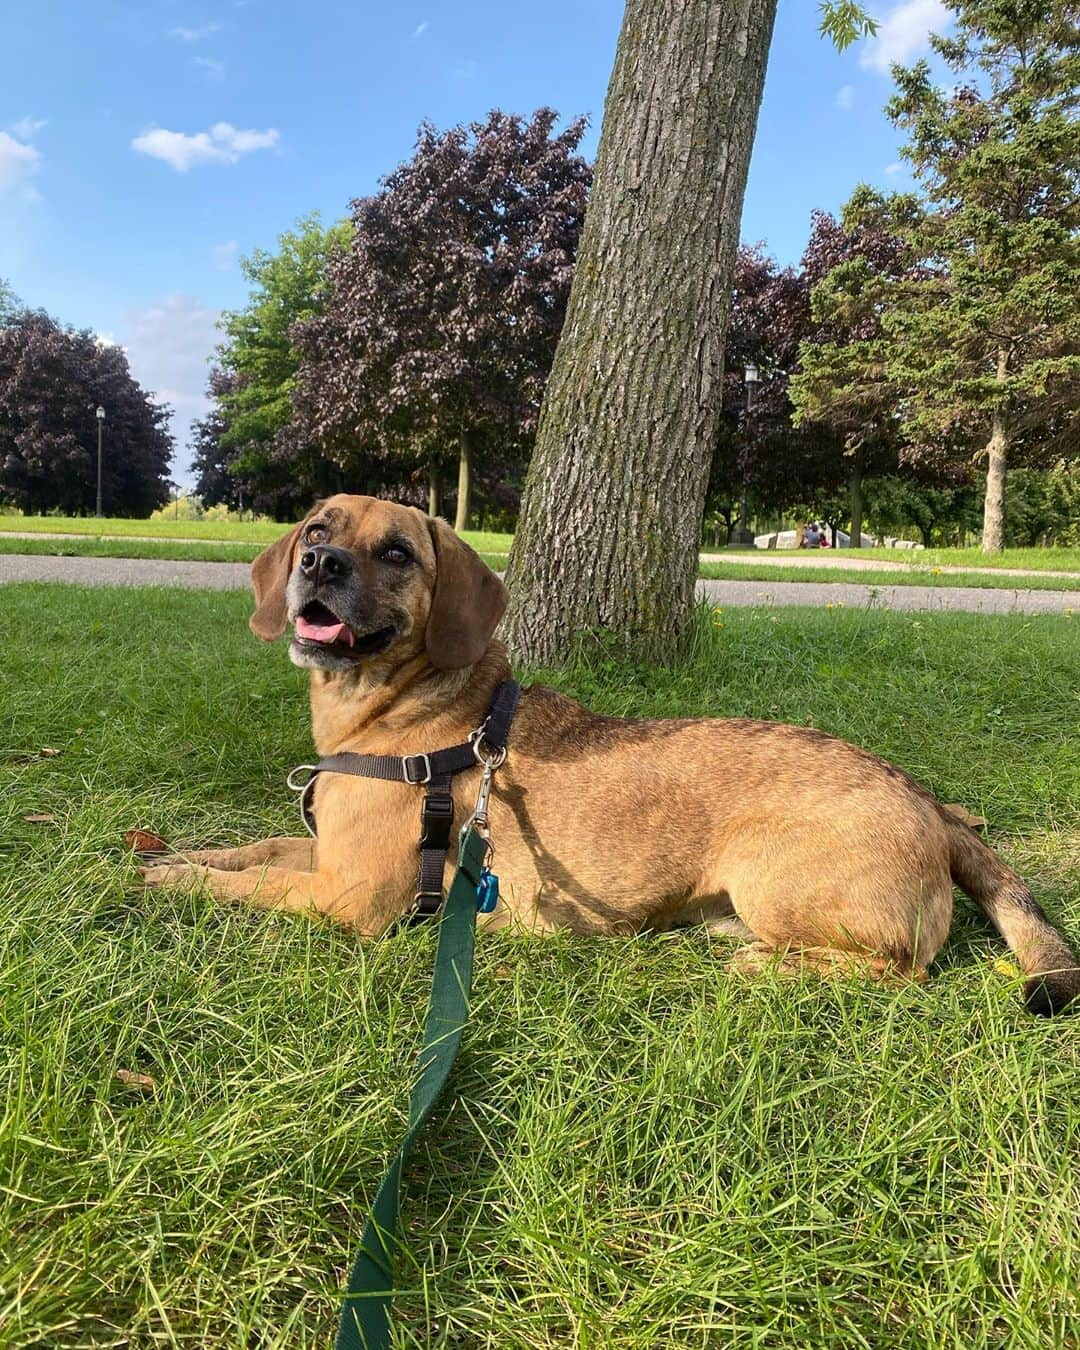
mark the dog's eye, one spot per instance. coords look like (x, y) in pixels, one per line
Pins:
(396, 554)
(315, 534)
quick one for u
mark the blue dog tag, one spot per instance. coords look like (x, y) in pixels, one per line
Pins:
(487, 892)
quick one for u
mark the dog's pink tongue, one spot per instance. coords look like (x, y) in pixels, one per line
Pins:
(319, 632)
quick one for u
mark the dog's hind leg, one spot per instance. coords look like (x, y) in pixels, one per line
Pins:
(795, 962)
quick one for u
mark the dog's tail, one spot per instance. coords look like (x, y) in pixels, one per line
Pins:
(1041, 950)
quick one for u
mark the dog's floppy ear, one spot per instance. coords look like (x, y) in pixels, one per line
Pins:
(269, 577)
(468, 603)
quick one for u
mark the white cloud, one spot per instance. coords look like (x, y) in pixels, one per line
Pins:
(26, 128)
(845, 97)
(225, 255)
(903, 33)
(17, 162)
(222, 144)
(194, 34)
(170, 345)
(893, 169)
(420, 29)
(213, 70)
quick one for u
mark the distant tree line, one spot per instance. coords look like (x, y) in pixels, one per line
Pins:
(52, 381)
(924, 345)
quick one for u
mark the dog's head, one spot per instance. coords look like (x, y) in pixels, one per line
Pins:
(362, 579)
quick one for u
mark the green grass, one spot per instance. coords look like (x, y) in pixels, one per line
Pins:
(637, 1150)
(246, 532)
(225, 532)
(177, 551)
(1039, 559)
(918, 576)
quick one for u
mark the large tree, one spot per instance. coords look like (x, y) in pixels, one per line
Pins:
(251, 436)
(759, 456)
(986, 346)
(611, 520)
(52, 379)
(842, 388)
(442, 317)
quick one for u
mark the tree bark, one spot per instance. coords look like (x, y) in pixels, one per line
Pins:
(994, 511)
(611, 517)
(997, 454)
(856, 500)
(434, 490)
(464, 482)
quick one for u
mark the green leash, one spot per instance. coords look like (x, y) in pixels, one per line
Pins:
(365, 1318)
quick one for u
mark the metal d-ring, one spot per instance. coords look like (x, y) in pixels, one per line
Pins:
(312, 769)
(492, 761)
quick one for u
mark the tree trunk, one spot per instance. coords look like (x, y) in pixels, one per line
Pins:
(997, 455)
(611, 517)
(434, 491)
(464, 482)
(994, 511)
(856, 501)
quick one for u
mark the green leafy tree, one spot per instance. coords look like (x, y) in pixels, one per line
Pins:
(985, 346)
(10, 305)
(842, 387)
(256, 433)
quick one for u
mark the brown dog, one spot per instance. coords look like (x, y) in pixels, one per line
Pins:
(602, 825)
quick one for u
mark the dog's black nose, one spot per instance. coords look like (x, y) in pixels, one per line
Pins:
(323, 562)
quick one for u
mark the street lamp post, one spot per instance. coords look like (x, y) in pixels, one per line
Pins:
(741, 534)
(100, 426)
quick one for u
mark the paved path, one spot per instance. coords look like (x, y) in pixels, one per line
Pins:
(823, 559)
(237, 576)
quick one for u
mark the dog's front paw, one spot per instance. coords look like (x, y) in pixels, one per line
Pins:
(174, 876)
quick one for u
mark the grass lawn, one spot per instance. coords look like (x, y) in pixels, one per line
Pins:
(181, 551)
(1039, 559)
(637, 1149)
(224, 532)
(919, 576)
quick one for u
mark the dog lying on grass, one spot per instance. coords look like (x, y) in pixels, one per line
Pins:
(602, 824)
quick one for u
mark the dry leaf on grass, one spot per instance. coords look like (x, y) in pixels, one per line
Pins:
(39, 818)
(142, 1081)
(142, 841)
(29, 756)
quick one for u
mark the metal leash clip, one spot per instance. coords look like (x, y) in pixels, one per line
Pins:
(487, 892)
(303, 790)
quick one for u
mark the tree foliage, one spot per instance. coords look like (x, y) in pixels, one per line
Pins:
(984, 343)
(441, 317)
(757, 445)
(251, 436)
(52, 379)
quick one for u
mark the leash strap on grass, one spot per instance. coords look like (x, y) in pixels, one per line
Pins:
(365, 1317)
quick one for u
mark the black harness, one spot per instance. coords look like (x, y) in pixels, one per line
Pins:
(433, 772)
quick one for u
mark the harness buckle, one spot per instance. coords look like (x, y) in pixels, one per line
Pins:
(425, 767)
(426, 905)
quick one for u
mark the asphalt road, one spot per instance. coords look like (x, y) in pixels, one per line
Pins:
(237, 576)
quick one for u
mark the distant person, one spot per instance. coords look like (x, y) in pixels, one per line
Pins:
(813, 536)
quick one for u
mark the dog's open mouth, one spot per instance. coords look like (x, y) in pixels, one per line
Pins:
(318, 626)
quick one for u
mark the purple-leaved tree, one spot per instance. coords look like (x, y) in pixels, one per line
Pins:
(441, 318)
(52, 379)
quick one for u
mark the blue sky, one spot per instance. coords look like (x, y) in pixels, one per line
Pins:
(145, 146)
